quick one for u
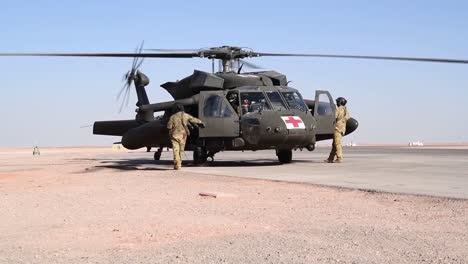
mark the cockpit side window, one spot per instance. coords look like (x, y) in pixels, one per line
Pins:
(276, 101)
(215, 106)
(295, 101)
(253, 101)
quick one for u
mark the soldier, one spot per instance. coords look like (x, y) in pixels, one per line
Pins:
(36, 151)
(342, 116)
(234, 101)
(245, 106)
(178, 126)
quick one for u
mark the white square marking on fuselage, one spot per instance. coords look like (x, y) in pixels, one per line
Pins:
(293, 122)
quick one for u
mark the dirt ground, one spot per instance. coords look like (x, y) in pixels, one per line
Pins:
(67, 206)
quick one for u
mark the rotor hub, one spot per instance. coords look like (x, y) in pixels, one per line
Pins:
(226, 53)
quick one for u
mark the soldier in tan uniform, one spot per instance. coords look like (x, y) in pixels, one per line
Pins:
(178, 126)
(342, 116)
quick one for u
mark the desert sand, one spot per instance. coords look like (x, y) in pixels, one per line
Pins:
(74, 205)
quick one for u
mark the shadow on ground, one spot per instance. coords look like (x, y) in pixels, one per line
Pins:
(162, 165)
(148, 164)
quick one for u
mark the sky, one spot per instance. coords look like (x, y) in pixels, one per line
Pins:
(46, 101)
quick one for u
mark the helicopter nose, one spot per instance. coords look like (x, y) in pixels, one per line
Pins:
(351, 125)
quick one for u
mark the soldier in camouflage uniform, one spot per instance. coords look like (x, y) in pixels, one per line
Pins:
(342, 116)
(178, 126)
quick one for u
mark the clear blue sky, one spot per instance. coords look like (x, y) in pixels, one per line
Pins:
(45, 100)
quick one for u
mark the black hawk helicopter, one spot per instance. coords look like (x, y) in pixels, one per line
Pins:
(241, 110)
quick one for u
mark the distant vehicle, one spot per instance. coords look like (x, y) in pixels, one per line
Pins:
(351, 144)
(416, 144)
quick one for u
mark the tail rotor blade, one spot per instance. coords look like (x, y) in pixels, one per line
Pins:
(140, 60)
(138, 64)
(135, 59)
(125, 92)
(124, 88)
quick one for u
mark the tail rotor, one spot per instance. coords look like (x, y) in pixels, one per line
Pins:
(132, 76)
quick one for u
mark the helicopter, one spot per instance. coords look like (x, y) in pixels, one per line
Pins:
(242, 111)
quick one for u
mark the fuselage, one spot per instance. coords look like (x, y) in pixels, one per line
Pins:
(250, 111)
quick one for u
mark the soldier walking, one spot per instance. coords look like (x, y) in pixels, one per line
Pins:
(178, 126)
(342, 116)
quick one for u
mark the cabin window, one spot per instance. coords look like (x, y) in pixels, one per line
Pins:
(253, 101)
(324, 106)
(216, 106)
(276, 101)
(295, 101)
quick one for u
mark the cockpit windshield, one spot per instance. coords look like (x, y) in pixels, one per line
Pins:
(295, 101)
(253, 101)
(276, 100)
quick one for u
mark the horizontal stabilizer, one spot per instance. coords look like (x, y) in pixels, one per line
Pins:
(114, 128)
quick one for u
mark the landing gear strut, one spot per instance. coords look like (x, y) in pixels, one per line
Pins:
(199, 155)
(284, 155)
(157, 154)
(210, 155)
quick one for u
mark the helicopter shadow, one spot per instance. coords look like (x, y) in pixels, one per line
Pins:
(131, 165)
(240, 163)
(130, 168)
(155, 165)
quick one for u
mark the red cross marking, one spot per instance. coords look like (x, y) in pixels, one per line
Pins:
(295, 122)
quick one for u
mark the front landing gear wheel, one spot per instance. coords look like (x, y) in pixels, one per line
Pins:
(284, 155)
(199, 155)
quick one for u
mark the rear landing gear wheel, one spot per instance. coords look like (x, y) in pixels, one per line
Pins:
(284, 155)
(199, 155)
(157, 154)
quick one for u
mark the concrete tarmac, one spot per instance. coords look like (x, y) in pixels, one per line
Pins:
(425, 171)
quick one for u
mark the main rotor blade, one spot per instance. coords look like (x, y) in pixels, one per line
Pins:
(439, 60)
(174, 50)
(251, 65)
(112, 55)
